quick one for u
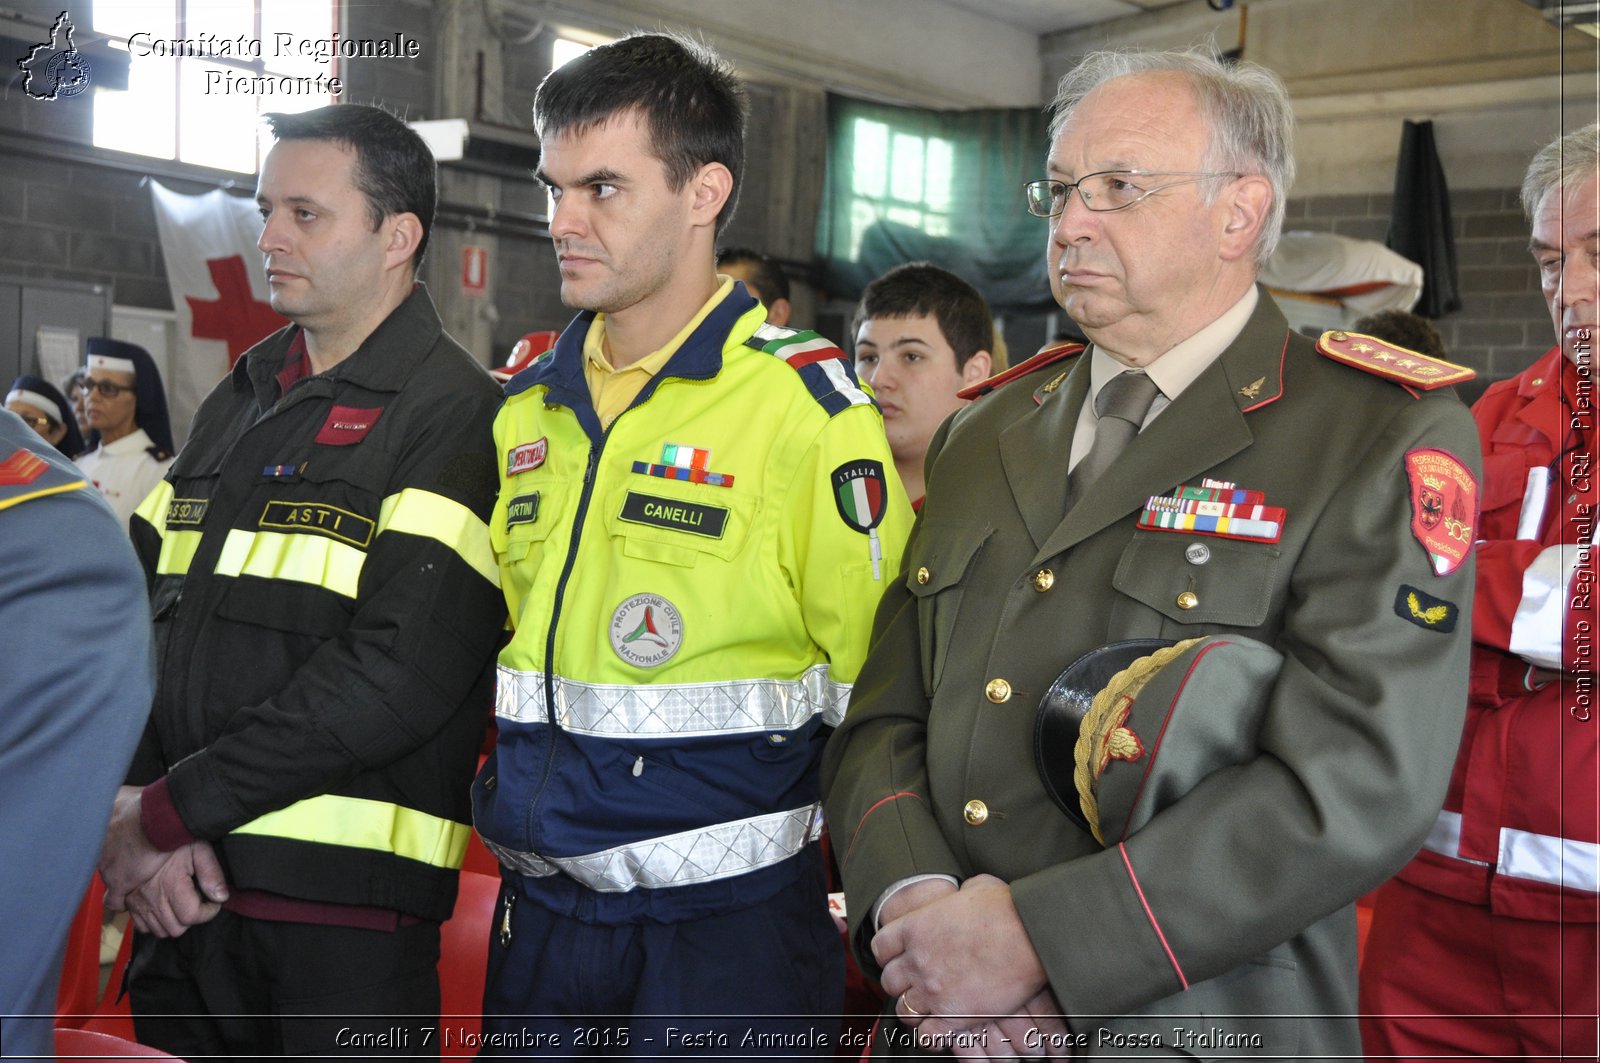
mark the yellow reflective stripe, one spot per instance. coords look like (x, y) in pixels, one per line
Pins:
(301, 557)
(57, 489)
(177, 550)
(154, 508)
(418, 512)
(361, 823)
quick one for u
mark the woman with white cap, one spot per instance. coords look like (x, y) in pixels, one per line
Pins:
(128, 407)
(46, 411)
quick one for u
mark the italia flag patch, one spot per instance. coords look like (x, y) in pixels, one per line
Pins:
(861, 491)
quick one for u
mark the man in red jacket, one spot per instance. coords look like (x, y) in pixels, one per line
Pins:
(1485, 944)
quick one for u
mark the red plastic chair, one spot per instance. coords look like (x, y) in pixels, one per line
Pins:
(90, 1045)
(112, 1016)
(464, 962)
(80, 967)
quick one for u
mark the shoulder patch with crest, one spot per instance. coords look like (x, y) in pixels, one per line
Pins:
(1444, 506)
(1372, 355)
(826, 370)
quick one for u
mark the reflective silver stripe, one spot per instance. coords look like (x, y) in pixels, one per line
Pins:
(1445, 839)
(1534, 497)
(703, 855)
(1561, 862)
(1524, 854)
(736, 706)
(1536, 627)
(833, 369)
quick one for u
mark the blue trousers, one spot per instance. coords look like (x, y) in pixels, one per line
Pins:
(759, 982)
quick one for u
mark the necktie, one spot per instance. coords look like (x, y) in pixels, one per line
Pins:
(1121, 406)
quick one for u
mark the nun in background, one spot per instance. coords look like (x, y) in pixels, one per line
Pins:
(47, 412)
(128, 407)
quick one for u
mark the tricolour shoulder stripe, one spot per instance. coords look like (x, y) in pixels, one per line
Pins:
(824, 368)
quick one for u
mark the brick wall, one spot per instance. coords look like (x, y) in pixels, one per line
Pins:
(90, 221)
(1503, 323)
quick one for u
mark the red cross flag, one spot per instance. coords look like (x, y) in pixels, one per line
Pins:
(219, 290)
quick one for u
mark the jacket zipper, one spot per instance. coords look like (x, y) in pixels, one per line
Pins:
(580, 520)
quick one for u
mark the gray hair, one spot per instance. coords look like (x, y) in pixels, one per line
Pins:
(1563, 162)
(1245, 104)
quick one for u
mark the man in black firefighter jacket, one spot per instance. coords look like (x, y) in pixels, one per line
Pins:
(326, 608)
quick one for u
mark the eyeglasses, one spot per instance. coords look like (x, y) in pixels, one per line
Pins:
(1106, 191)
(106, 388)
(38, 424)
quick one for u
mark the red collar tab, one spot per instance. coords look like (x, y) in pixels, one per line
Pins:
(348, 424)
(1372, 355)
(1048, 356)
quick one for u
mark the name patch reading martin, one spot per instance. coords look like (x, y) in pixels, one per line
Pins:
(320, 518)
(693, 517)
(187, 512)
(524, 509)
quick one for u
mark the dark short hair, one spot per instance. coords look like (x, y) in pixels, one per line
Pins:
(394, 168)
(921, 288)
(1404, 329)
(769, 276)
(691, 100)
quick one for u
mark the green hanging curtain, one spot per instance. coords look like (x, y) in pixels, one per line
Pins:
(945, 187)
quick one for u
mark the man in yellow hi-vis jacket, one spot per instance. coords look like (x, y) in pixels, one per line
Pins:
(697, 515)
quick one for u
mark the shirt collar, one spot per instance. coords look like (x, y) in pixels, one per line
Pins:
(132, 443)
(1174, 371)
(652, 363)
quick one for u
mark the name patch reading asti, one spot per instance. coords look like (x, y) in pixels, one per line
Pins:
(693, 517)
(322, 519)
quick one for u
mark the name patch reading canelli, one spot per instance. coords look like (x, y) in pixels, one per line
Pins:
(693, 517)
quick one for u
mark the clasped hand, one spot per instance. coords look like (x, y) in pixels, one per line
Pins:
(165, 892)
(975, 983)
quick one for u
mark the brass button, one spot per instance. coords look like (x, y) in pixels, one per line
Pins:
(997, 691)
(923, 576)
(1043, 580)
(1338, 337)
(975, 812)
(1537, 381)
(1188, 600)
(1197, 553)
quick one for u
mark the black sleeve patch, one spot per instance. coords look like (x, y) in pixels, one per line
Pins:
(1424, 610)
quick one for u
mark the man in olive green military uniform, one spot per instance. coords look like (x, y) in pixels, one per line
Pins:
(1226, 476)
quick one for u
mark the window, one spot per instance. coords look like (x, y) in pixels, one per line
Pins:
(193, 90)
(564, 50)
(899, 177)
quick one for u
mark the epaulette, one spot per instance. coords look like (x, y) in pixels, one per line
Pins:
(25, 475)
(1048, 356)
(825, 369)
(158, 452)
(1372, 355)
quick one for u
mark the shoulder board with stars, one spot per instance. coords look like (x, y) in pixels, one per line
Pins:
(1048, 356)
(25, 476)
(1372, 355)
(825, 369)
